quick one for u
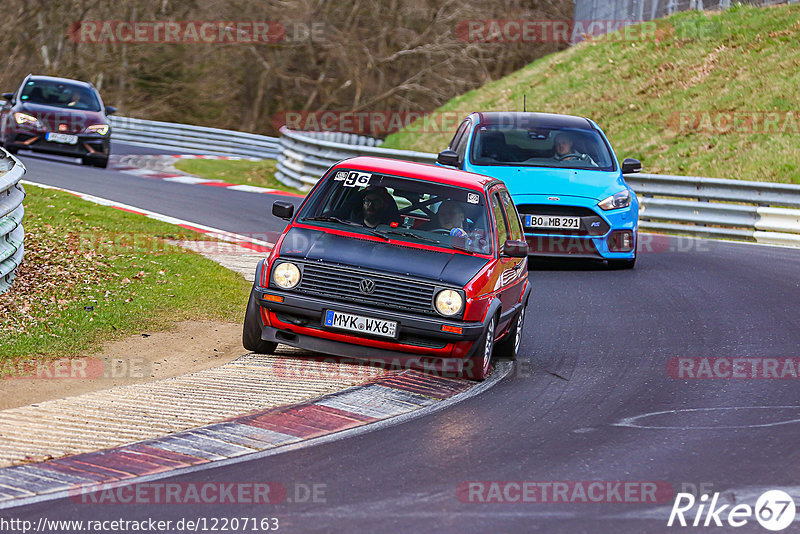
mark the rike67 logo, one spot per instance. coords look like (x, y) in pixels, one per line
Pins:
(774, 510)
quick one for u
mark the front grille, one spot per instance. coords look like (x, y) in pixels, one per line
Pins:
(591, 223)
(561, 246)
(554, 209)
(337, 282)
(427, 342)
(61, 148)
(22, 137)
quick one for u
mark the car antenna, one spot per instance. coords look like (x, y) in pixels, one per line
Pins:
(524, 103)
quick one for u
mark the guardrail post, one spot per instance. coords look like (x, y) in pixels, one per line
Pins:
(12, 234)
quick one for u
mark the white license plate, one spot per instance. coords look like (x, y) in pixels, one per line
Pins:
(357, 323)
(552, 221)
(67, 139)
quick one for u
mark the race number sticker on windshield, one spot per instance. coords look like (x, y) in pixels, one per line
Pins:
(353, 178)
(473, 198)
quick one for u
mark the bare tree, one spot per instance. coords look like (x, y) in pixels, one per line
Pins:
(393, 55)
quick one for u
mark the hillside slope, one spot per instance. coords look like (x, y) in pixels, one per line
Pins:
(708, 94)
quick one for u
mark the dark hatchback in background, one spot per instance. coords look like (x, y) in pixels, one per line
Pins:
(57, 116)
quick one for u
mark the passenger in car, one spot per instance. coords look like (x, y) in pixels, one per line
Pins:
(494, 146)
(36, 96)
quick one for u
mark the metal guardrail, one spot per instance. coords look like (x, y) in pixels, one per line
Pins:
(199, 139)
(11, 212)
(715, 207)
(305, 156)
(697, 206)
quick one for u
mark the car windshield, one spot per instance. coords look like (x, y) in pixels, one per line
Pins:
(60, 95)
(574, 148)
(399, 208)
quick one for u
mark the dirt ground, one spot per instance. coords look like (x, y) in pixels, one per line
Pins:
(191, 346)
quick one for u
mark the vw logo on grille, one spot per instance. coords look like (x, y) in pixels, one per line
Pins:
(366, 286)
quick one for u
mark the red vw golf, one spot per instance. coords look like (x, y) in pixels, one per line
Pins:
(399, 262)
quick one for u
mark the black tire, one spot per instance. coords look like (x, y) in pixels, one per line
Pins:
(508, 349)
(479, 365)
(11, 149)
(621, 264)
(251, 331)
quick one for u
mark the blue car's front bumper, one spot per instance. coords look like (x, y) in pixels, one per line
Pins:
(601, 233)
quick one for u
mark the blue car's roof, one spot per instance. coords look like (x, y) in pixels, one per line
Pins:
(533, 120)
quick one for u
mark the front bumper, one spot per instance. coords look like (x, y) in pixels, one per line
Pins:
(592, 240)
(298, 322)
(95, 146)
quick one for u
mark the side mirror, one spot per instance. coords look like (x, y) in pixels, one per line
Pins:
(282, 210)
(515, 249)
(448, 157)
(8, 96)
(110, 110)
(631, 165)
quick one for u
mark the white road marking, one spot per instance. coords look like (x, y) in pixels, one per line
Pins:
(633, 422)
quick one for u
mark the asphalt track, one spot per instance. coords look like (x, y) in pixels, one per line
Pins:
(594, 359)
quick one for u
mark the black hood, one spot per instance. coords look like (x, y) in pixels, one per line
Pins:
(450, 268)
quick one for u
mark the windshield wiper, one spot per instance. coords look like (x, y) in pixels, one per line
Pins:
(463, 249)
(331, 218)
(410, 234)
(455, 244)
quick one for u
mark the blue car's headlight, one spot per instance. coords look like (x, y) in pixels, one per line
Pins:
(619, 200)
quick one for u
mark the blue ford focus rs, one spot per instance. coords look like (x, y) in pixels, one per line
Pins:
(564, 178)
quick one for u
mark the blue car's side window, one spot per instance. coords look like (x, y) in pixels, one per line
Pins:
(462, 128)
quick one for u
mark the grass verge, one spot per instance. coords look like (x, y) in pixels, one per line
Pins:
(93, 273)
(699, 93)
(259, 173)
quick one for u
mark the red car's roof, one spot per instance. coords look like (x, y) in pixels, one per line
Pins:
(421, 171)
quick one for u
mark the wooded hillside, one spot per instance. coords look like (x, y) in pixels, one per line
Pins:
(398, 55)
